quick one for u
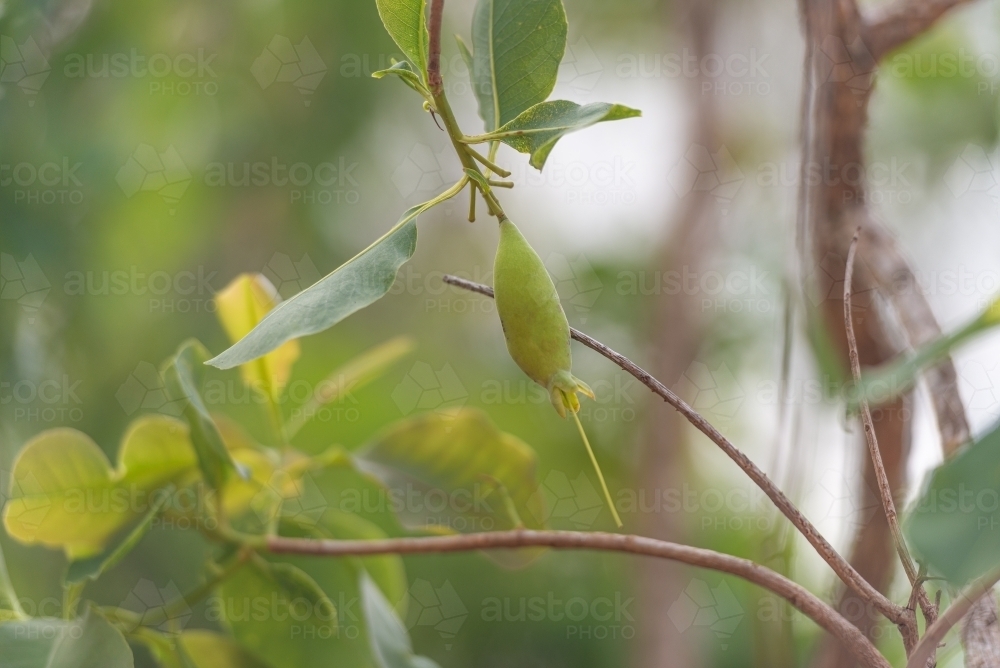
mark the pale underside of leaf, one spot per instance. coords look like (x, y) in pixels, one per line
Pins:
(536, 130)
(359, 282)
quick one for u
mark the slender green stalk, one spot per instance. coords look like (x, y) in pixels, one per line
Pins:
(488, 162)
(597, 467)
(7, 589)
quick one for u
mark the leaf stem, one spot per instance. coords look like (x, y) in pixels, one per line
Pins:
(492, 166)
(597, 468)
(7, 589)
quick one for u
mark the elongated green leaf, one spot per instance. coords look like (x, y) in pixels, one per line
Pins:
(182, 374)
(65, 494)
(536, 130)
(517, 47)
(89, 642)
(898, 376)
(955, 528)
(458, 458)
(360, 281)
(93, 567)
(406, 22)
(390, 642)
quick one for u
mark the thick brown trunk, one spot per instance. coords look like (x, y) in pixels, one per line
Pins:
(677, 326)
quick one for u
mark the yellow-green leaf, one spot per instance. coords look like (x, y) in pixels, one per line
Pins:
(213, 650)
(240, 306)
(459, 458)
(64, 493)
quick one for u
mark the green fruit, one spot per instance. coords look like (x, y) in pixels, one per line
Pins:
(533, 320)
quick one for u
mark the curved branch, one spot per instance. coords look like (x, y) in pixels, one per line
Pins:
(939, 629)
(885, 491)
(844, 570)
(902, 20)
(801, 598)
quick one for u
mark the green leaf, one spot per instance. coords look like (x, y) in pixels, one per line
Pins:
(461, 457)
(406, 23)
(390, 642)
(89, 642)
(405, 72)
(387, 570)
(165, 649)
(466, 53)
(536, 130)
(360, 281)
(65, 494)
(517, 47)
(182, 375)
(274, 613)
(954, 528)
(213, 650)
(300, 585)
(897, 376)
(93, 567)
(352, 376)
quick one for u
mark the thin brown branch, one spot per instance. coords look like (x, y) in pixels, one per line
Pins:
(434, 49)
(882, 479)
(801, 598)
(844, 570)
(898, 22)
(955, 612)
(885, 491)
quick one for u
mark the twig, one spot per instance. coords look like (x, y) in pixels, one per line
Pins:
(844, 570)
(797, 595)
(434, 50)
(939, 629)
(885, 491)
(902, 20)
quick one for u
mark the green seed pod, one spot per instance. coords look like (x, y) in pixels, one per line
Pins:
(533, 320)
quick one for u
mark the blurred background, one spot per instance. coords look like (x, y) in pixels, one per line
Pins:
(151, 152)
